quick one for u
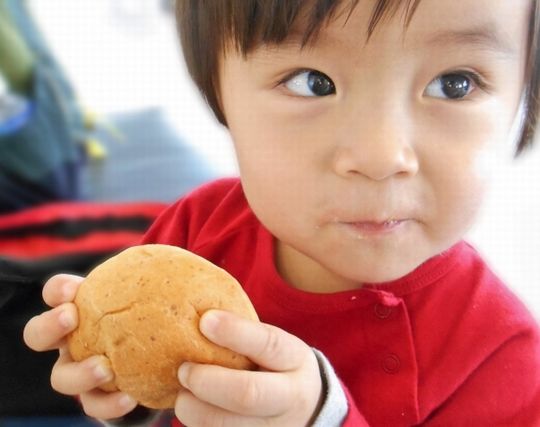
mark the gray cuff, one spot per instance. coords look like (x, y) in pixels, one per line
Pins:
(335, 406)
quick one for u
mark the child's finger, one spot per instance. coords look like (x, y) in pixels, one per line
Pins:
(60, 289)
(105, 406)
(48, 330)
(72, 378)
(261, 394)
(268, 346)
(191, 411)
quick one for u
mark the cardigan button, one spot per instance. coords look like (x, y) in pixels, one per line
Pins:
(382, 311)
(391, 364)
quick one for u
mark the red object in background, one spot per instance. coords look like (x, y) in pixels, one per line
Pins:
(67, 228)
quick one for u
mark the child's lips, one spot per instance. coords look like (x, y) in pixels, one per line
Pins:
(374, 228)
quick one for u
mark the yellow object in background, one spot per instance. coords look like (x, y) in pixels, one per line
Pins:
(95, 149)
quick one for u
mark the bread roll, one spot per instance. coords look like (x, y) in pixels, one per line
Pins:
(141, 309)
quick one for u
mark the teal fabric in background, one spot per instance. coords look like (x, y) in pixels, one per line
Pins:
(41, 161)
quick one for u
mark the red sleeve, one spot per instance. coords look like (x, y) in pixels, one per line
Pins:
(197, 216)
(503, 391)
(170, 228)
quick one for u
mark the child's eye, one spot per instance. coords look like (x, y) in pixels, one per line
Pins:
(455, 85)
(310, 83)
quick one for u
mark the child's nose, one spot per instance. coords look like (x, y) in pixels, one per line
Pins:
(377, 148)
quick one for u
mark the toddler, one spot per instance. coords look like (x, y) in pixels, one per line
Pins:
(361, 130)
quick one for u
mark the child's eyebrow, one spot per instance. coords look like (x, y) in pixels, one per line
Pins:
(484, 37)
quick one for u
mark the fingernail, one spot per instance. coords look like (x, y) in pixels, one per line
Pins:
(103, 373)
(183, 373)
(66, 319)
(126, 401)
(209, 323)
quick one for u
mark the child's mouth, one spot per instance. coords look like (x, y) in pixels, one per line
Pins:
(375, 228)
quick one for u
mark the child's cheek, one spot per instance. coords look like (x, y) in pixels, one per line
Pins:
(486, 165)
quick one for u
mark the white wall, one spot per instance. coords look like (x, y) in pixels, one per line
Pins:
(118, 65)
(508, 232)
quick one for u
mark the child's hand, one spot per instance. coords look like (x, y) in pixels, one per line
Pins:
(286, 392)
(48, 332)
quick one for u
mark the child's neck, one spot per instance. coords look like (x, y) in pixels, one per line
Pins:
(303, 273)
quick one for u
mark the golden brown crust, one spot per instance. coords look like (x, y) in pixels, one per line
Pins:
(141, 309)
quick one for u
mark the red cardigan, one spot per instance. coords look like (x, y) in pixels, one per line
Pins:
(446, 345)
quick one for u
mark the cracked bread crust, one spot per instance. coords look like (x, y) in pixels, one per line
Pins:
(141, 310)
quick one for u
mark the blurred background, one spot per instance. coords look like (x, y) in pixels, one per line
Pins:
(143, 134)
(123, 55)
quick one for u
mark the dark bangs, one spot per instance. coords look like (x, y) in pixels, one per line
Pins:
(208, 27)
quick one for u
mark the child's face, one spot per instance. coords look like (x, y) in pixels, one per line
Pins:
(365, 164)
